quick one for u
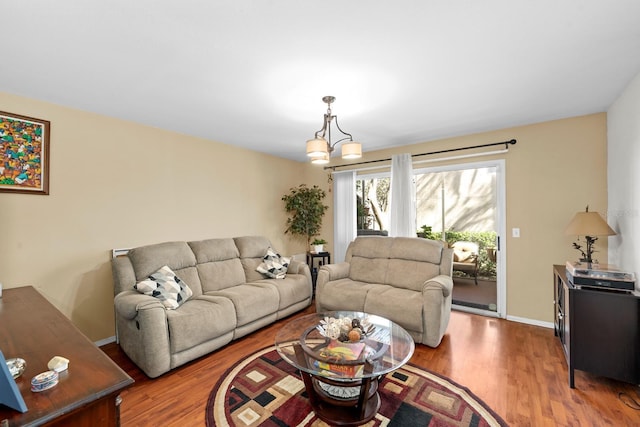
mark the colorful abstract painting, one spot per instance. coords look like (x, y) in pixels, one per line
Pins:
(24, 147)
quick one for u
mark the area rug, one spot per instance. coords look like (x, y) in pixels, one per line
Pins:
(264, 390)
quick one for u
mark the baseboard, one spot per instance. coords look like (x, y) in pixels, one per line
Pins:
(105, 341)
(530, 321)
(473, 310)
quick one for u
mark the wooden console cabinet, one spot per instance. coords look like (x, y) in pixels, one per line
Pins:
(599, 329)
(87, 393)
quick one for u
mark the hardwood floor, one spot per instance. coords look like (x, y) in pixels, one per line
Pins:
(518, 370)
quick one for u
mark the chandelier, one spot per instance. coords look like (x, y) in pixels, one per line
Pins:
(319, 148)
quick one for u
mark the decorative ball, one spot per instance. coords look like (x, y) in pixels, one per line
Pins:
(354, 335)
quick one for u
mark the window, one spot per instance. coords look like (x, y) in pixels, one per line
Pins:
(372, 203)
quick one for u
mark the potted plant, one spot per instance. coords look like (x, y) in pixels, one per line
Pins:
(318, 245)
(306, 209)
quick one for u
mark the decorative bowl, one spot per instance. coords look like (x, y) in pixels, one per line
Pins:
(16, 366)
(343, 328)
(44, 381)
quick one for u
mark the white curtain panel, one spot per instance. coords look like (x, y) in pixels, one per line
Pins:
(403, 197)
(344, 212)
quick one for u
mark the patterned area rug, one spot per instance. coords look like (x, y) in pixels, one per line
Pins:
(264, 390)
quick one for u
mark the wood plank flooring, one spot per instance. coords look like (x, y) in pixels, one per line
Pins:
(518, 370)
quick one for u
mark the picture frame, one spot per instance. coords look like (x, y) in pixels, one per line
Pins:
(24, 154)
(9, 392)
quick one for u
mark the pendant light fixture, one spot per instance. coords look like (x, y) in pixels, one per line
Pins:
(319, 148)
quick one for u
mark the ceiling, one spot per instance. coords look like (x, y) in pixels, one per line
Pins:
(253, 73)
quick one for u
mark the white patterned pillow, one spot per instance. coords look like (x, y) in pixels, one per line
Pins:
(273, 265)
(166, 286)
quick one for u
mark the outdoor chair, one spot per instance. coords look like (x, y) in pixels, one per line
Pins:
(465, 258)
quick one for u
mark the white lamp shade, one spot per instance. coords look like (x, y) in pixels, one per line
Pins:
(589, 224)
(320, 160)
(317, 147)
(351, 150)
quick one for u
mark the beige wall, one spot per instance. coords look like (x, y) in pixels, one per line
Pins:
(555, 170)
(116, 184)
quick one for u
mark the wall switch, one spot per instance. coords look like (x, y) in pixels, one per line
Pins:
(515, 232)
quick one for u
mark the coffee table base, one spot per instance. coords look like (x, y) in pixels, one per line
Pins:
(333, 409)
(341, 403)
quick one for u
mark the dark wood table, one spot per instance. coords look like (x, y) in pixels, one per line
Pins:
(88, 392)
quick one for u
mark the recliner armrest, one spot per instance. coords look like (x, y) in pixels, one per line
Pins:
(335, 271)
(297, 267)
(442, 282)
(128, 303)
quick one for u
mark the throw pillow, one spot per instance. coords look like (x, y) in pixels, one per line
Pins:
(167, 287)
(460, 255)
(274, 265)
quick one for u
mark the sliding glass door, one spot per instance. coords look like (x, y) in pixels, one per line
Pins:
(462, 205)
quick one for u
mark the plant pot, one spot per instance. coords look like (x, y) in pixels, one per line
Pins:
(317, 248)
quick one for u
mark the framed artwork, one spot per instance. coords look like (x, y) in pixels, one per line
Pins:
(24, 154)
(9, 392)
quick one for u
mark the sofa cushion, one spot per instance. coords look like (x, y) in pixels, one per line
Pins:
(402, 306)
(292, 289)
(166, 287)
(220, 275)
(252, 249)
(371, 247)
(344, 294)
(199, 320)
(212, 250)
(252, 301)
(407, 274)
(369, 270)
(218, 264)
(417, 249)
(148, 259)
(273, 265)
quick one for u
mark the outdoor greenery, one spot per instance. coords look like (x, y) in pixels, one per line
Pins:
(371, 203)
(306, 209)
(484, 239)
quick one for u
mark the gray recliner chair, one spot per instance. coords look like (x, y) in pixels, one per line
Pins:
(406, 280)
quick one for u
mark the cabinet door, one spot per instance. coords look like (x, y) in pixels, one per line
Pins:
(605, 334)
(566, 320)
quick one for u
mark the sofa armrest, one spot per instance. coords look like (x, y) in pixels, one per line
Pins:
(441, 282)
(297, 267)
(129, 303)
(330, 272)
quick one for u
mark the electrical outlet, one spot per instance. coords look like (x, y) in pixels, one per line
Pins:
(515, 232)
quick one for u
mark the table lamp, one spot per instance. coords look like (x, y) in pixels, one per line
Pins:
(588, 224)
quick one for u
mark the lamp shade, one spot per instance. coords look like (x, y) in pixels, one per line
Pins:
(320, 160)
(589, 224)
(317, 147)
(351, 150)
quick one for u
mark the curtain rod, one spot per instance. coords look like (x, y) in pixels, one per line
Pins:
(450, 150)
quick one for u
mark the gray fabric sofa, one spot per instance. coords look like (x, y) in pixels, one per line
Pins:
(407, 280)
(230, 299)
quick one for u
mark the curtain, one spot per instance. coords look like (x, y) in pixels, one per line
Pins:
(403, 197)
(344, 212)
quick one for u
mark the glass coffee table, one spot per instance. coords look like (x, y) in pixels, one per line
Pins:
(342, 361)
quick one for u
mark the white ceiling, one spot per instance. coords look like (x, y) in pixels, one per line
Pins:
(253, 73)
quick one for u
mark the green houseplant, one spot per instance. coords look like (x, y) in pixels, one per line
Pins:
(306, 209)
(318, 245)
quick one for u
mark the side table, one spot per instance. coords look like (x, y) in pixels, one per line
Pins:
(323, 258)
